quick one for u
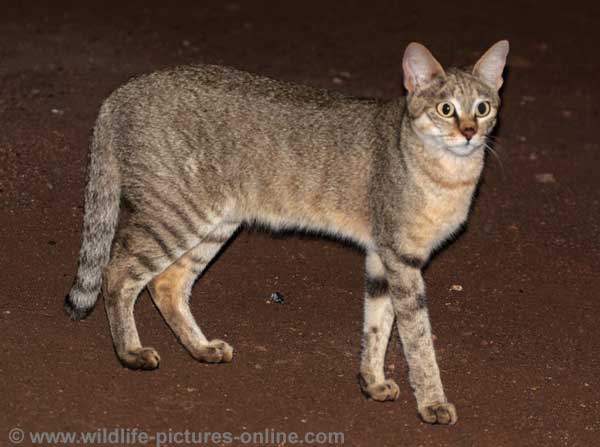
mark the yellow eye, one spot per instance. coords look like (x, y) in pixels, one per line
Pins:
(445, 109)
(483, 109)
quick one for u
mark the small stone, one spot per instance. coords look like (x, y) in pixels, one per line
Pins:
(526, 100)
(545, 177)
(456, 288)
(277, 297)
(566, 113)
(57, 112)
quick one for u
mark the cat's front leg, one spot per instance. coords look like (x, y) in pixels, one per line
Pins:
(409, 301)
(378, 322)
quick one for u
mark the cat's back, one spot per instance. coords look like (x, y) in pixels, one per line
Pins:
(219, 88)
(235, 117)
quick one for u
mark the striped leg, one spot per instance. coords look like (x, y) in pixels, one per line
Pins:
(144, 248)
(171, 290)
(410, 305)
(378, 322)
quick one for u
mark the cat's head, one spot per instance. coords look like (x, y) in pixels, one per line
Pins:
(453, 110)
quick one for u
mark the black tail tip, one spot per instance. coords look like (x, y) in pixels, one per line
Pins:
(76, 313)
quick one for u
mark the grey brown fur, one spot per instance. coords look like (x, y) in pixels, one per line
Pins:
(198, 150)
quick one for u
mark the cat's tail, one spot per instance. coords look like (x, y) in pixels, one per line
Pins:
(100, 219)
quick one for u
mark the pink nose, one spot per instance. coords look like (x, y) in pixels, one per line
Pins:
(468, 132)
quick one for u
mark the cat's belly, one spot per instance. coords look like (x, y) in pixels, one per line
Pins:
(334, 224)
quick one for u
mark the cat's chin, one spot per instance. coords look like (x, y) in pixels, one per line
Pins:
(463, 150)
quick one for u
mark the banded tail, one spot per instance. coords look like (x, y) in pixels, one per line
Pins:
(102, 198)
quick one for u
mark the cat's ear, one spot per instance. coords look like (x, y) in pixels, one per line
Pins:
(491, 65)
(420, 67)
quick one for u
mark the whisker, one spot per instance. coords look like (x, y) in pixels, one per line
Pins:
(495, 154)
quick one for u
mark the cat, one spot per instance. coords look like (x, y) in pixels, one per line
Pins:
(195, 151)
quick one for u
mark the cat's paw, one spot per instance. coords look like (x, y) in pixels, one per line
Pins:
(142, 358)
(386, 390)
(215, 351)
(441, 413)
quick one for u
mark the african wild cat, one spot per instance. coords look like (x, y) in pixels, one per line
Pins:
(198, 150)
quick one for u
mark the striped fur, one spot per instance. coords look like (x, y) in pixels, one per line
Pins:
(196, 151)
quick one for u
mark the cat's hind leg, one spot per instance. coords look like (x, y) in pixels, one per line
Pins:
(378, 322)
(171, 290)
(145, 246)
(135, 261)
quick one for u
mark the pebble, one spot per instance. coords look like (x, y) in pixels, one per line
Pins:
(545, 177)
(526, 99)
(277, 297)
(456, 288)
(341, 76)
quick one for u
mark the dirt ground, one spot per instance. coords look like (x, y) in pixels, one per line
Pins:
(518, 346)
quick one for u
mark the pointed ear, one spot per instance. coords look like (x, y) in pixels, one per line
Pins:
(491, 65)
(420, 67)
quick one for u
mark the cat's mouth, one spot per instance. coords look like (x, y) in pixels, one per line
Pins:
(464, 149)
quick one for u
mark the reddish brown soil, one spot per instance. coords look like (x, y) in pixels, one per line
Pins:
(518, 346)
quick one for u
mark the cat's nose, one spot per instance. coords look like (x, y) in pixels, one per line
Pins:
(468, 132)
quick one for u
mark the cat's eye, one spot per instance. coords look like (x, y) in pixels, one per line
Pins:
(483, 109)
(446, 109)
